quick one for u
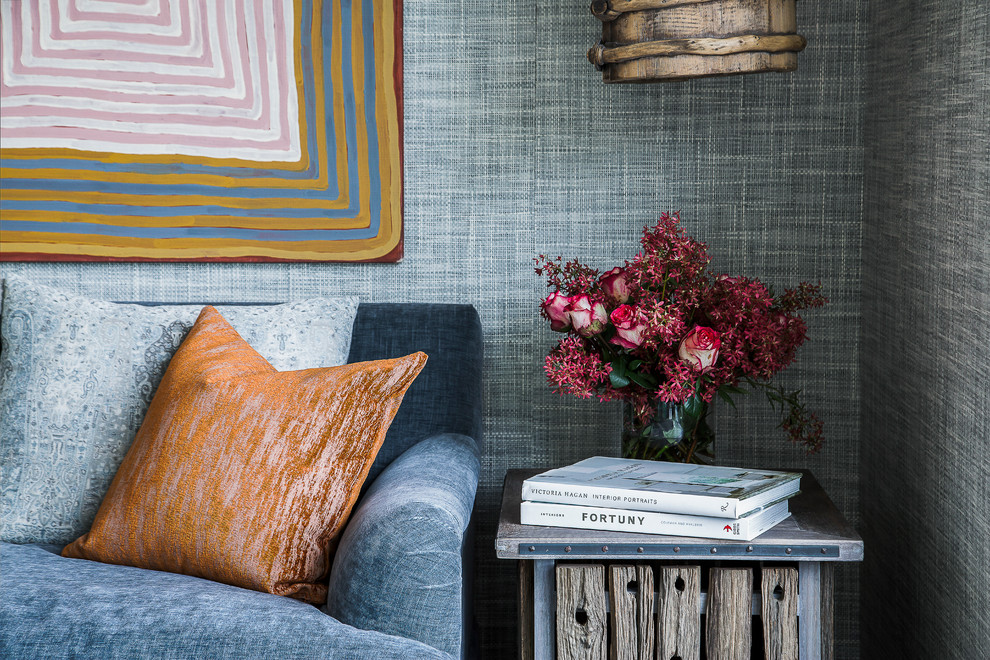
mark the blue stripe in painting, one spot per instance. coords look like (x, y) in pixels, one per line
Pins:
(369, 103)
(74, 185)
(164, 211)
(193, 232)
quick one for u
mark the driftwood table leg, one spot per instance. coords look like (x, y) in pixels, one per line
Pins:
(678, 607)
(779, 606)
(815, 610)
(544, 603)
(525, 620)
(582, 620)
(729, 625)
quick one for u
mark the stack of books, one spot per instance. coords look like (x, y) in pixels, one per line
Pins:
(652, 497)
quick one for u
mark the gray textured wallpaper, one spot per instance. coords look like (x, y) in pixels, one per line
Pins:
(514, 147)
(926, 332)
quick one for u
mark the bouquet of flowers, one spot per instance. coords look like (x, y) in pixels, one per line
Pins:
(664, 329)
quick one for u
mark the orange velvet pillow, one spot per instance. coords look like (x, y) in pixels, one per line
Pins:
(244, 474)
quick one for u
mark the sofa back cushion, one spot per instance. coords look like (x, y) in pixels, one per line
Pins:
(77, 375)
(244, 474)
(447, 396)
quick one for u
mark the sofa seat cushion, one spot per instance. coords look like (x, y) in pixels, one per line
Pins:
(53, 607)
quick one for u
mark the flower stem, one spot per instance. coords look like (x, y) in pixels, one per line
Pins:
(694, 440)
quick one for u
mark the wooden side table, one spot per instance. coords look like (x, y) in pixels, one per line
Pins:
(564, 568)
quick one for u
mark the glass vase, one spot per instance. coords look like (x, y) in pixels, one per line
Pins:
(676, 432)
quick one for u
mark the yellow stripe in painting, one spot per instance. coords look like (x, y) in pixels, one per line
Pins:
(357, 38)
(37, 153)
(164, 179)
(387, 238)
(387, 119)
(188, 248)
(337, 76)
(360, 221)
(166, 201)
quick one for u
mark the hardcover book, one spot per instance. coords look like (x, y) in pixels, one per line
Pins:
(650, 522)
(637, 485)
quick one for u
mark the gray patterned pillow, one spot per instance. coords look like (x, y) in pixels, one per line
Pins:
(76, 378)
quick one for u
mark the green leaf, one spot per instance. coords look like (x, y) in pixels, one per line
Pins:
(694, 407)
(639, 379)
(773, 396)
(635, 364)
(725, 397)
(617, 380)
(732, 389)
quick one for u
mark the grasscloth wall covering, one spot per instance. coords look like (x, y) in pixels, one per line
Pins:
(926, 329)
(515, 147)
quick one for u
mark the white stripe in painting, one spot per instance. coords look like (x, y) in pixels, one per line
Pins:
(188, 45)
(69, 106)
(199, 151)
(272, 133)
(95, 59)
(45, 40)
(122, 11)
(150, 85)
(158, 131)
(136, 108)
(171, 28)
(290, 93)
(279, 98)
(135, 7)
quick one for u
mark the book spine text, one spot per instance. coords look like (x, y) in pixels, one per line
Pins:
(621, 498)
(585, 517)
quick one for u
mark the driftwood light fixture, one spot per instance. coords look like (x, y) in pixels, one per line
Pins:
(664, 40)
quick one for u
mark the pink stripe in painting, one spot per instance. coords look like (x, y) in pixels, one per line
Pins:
(160, 18)
(244, 102)
(100, 54)
(282, 79)
(285, 78)
(226, 82)
(125, 97)
(193, 119)
(123, 35)
(122, 137)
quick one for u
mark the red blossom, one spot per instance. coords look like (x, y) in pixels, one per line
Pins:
(573, 370)
(804, 428)
(679, 385)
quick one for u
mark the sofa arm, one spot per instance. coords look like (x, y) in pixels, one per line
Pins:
(398, 568)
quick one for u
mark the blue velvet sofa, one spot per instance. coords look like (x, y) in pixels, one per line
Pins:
(400, 585)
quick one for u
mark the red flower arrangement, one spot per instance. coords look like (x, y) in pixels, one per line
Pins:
(664, 327)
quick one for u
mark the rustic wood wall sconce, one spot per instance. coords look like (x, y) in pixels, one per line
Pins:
(666, 40)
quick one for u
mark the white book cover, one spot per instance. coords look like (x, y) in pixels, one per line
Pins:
(700, 490)
(649, 522)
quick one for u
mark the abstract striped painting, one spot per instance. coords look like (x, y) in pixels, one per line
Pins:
(201, 130)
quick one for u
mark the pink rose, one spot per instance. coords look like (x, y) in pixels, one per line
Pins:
(587, 318)
(699, 348)
(555, 307)
(614, 284)
(629, 325)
